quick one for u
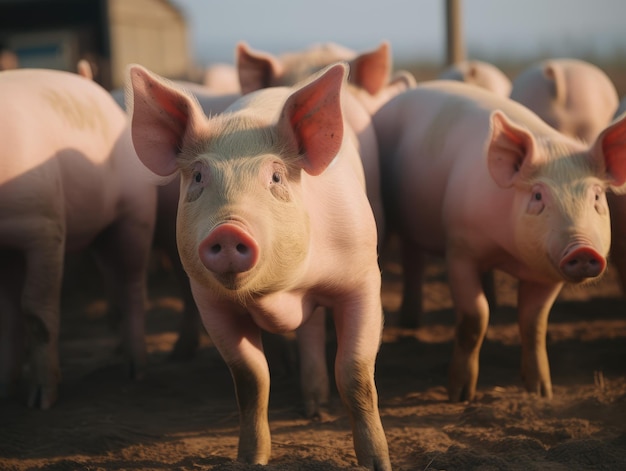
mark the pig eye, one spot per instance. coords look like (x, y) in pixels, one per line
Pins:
(197, 184)
(277, 185)
(599, 206)
(536, 204)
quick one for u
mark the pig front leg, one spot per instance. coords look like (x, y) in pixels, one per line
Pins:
(472, 318)
(359, 325)
(313, 371)
(11, 322)
(238, 340)
(534, 303)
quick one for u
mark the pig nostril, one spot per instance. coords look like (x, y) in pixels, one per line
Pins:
(216, 248)
(242, 249)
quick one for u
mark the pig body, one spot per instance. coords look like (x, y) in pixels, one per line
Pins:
(67, 181)
(573, 96)
(273, 222)
(484, 181)
(479, 73)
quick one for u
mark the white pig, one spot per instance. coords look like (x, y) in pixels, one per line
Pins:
(483, 180)
(479, 73)
(273, 222)
(573, 96)
(67, 181)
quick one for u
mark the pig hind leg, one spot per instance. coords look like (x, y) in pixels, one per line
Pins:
(41, 299)
(122, 252)
(413, 266)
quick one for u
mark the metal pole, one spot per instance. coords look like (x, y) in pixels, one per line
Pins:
(455, 49)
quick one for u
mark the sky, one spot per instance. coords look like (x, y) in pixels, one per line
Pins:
(492, 29)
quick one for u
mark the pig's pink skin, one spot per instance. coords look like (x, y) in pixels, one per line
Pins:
(573, 96)
(485, 181)
(298, 193)
(481, 74)
(69, 179)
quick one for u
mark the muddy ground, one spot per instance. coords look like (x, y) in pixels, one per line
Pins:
(183, 415)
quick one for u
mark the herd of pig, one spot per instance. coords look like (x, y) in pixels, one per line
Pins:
(274, 193)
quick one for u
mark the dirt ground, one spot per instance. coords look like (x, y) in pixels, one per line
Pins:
(183, 416)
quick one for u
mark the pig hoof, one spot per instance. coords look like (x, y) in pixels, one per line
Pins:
(460, 395)
(42, 397)
(315, 412)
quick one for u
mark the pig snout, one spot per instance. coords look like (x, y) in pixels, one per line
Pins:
(581, 262)
(229, 249)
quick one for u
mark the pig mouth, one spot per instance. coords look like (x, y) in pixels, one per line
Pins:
(232, 281)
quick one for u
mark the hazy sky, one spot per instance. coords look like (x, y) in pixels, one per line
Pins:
(493, 29)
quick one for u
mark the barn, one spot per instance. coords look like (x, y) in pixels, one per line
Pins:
(109, 33)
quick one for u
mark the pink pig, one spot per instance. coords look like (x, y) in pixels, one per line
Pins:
(485, 181)
(273, 222)
(573, 96)
(479, 73)
(69, 179)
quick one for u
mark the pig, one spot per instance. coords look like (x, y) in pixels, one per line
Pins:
(484, 181)
(70, 179)
(479, 73)
(573, 96)
(273, 222)
(370, 80)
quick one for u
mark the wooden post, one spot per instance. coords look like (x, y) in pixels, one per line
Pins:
(455, 49)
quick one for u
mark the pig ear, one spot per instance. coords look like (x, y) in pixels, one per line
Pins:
(371, 70)
(554, 72)
(511, 151)
(160, 116)
(256, 70)
(401, 81)
(610, 150)
(312, 114)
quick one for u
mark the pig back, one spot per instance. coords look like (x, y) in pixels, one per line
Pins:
(60, 131)
(432, 142)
